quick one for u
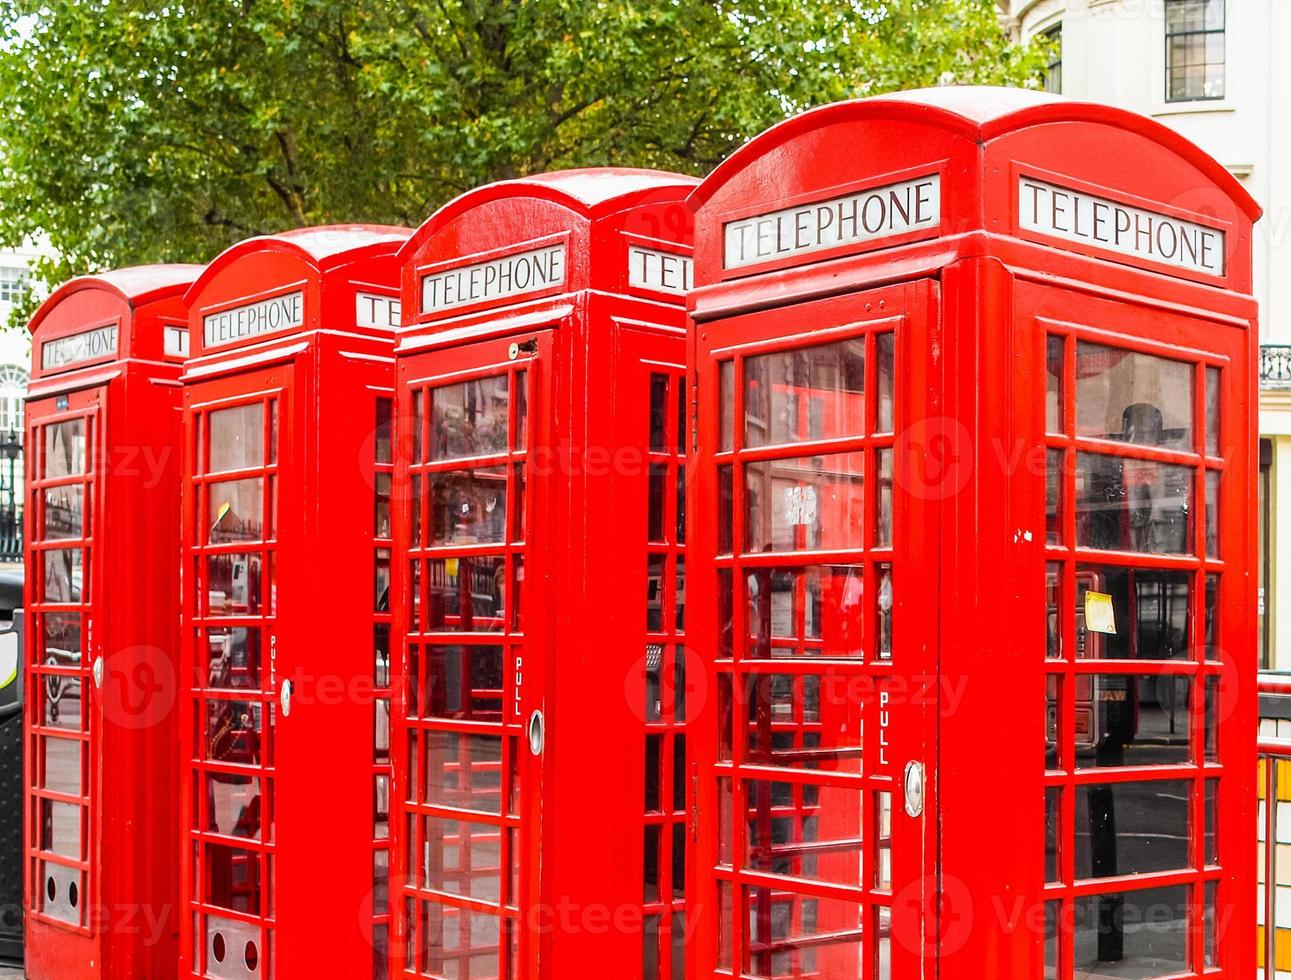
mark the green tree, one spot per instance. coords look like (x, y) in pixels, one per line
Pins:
(163, 131)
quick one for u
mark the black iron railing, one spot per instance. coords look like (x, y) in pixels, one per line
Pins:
(1275, 366)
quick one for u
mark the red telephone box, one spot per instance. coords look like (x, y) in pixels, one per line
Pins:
(970, 537)
(287, 414)
(540, 776)
(102, 767)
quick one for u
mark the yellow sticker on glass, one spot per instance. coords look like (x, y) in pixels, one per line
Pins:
(1100, 614)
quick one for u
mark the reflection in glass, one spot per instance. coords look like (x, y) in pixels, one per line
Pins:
(791, 726)
(1133, 505)
(811, 503)
(233, 658)
(1138, 934)
(1150, 613)
(65, 449)
(62, 771)
(1054, 610)
(520, 435)
(235, 511)
(64, 512)
(469, 419)
(232, 732)
(658, 413)
(804, 394)
(1132, 828)
(1213, 396)
(794, 936)
(62, 639)
(1052, 937)
(232, 805)
(804, 831)
(464, 771)
(463, 682)
(1134, 398)
(812, 611)
(884, 600)
(232, 878)
(233, 584)
(1054, 357)
(883, 525)
(885, 351)
(60, 828)
(1213, 478)
(463, 858)
(468, 506)
(1053, 834)
(384, 438)
(62, 575)
(460, 944)
(726, 398)
(381, 519)
(62, 707)
(237, 437)
(1132, 720)
(1054, 478)
(1210, 853)
(467, 594)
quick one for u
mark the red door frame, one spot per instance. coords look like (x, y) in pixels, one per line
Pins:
(894, 701)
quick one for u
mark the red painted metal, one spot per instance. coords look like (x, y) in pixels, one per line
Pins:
(538, 582)
(287, 405)
(102, 534)
(963, 641)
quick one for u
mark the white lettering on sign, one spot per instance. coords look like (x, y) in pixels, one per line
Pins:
(175, 341)
(373, 310)
(483, 282)
(664, 272)
(63, 352)
(880, 212)
(266, 316)
(1075, 216)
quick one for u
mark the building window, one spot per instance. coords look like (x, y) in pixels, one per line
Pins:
(1194, 50)
(1053, 71)
(1266, 551)
(13, 389)
(13, 284)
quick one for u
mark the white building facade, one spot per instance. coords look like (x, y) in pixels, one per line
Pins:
(15, 359)
(1217, 73)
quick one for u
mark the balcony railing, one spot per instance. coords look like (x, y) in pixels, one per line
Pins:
(1275, 366)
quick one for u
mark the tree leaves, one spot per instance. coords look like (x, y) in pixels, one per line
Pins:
(136, 132)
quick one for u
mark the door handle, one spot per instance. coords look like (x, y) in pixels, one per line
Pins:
(284, 697)
(537, 733)
(914, 790)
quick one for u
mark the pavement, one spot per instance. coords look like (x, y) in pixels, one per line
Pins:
(10, 973)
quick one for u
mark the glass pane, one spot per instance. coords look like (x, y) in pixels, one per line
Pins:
(237, 437)
(658, 412)
(464, 771)
(1132, 614)
(468, 506)
(235, 511)
(1133, 828)
(1133, 398)
(1213, 396)
(1213, 500)
(814, 611)
(232, 878)
(520, 437)
(805, 394)
(62, 575)
(469, 419)
(65, 449)
(62, 636)
(796, 936)
(64, 512)
(381, 517)
(885, 350)
(233, 805)
(804, 831)
(1128, 720)
(1054, 479)
(1139, 934)
(883, 527)
(384, 438)
(1054, 358)
(63, 772)
(810, 503)
(60, 828)
(62, 707)
(726, 398)
(1053, 834)
(233, 732)
(233, 584)
(459, 944)
(1052, 938)
(463, 682)
(233, 658)
(1055, 608)
(463, 858)
(790, 725)
(1133, 505)
(468, 594)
